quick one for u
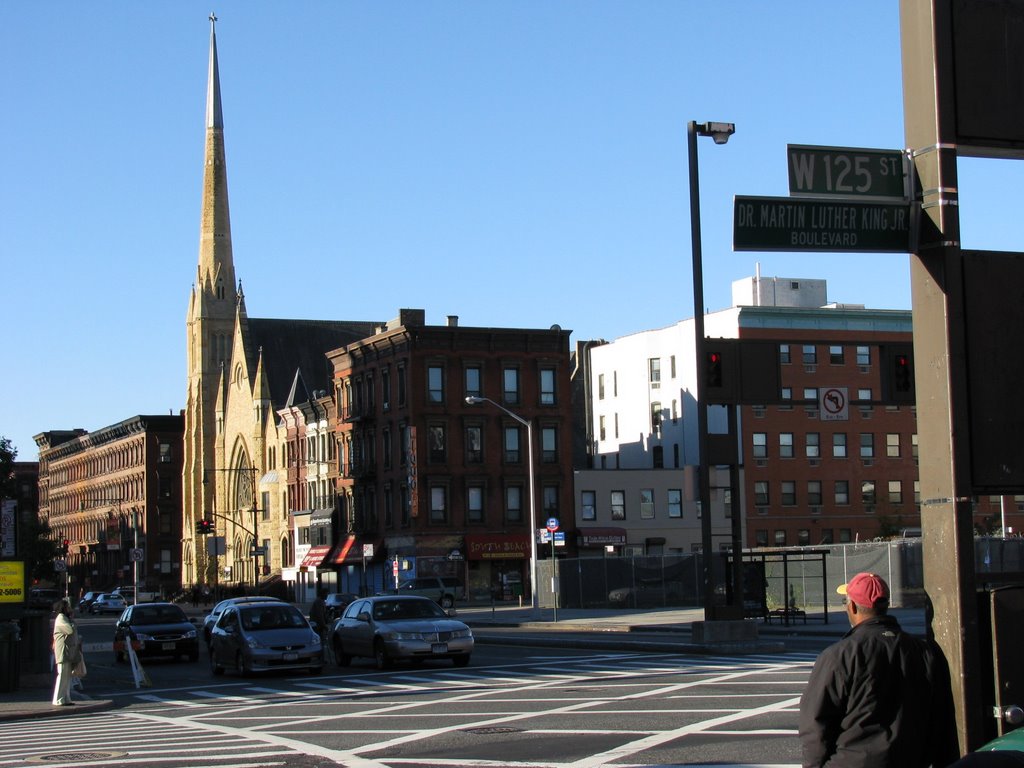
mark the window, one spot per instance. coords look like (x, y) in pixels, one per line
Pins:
(675, 502)
(839, 445)
(513, 503)
(913, 445)
(510, 386)
(672, 365)
(435, 384)
(512, 453)
(892, 445)
(812, 445)
(845, 535)
(814, 493)
(646, 503)
(786, 445)
(867, 492)
(438, 453)
(385, 388)
(547, 386)
(867, 445)
(618, 502)
(475, 504)
(803, 537)
(474, 386)
(864, 394)
(784, 358)
(401, 385)
(760, 448)
(780, 537)
(835, 355)
(863, 355)
(549, 445)
(810, 354)
(788, 493)
(588, 505)
(895, 492)
(761, 497)
(654, 370)
(811, 393)
(761, 537)
(601, 428)
(600, 386)
(166, 454)
(656, 419)
(842, 492)
(474, 444)
(549, 500)
(827, 536)
(658, 457)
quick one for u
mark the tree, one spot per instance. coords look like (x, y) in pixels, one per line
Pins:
(7, 457)
(34, 544)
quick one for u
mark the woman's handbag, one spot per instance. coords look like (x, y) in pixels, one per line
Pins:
(79, 669)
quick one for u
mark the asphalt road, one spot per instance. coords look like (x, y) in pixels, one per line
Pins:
(514, 705)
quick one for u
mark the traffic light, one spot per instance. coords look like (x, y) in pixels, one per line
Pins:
(713, 370)
(898, 374)
(204, 527)
(64, 547)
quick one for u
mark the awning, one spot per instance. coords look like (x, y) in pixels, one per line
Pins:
(349, 551)
(269, 479)
(320, 517)
(601, 537)
(315, 556)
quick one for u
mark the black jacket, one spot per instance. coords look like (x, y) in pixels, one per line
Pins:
(878, 698)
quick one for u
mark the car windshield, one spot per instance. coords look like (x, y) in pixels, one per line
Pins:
(158, 614)
(271, 617)
(397, 610)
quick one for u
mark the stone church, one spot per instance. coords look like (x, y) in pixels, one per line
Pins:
(242, 373)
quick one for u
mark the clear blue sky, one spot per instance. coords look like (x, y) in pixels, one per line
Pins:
(514, 163)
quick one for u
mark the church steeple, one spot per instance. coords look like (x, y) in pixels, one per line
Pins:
(216, 264)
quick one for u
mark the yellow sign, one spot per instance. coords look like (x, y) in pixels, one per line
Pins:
(12, 581)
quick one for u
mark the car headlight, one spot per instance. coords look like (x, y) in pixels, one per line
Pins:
(252, 642)
(190, 634)
(143, 637)
(315, 638)
(458, 634)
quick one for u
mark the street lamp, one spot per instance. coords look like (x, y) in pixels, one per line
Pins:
(720, 133)
(532, 518)
(256, 549)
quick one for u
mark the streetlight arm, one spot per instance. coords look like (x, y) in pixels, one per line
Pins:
(471, 400)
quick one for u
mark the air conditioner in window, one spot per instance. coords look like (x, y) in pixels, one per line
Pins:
(761, 462)
(810, 368)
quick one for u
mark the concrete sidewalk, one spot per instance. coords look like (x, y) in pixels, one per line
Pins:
(657, 630)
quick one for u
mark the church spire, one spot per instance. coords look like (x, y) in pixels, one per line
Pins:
(216, 265)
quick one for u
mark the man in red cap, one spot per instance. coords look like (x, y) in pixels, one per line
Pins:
(879, 697)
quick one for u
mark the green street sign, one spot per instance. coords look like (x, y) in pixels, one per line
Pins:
(804, 224)
(880, 174)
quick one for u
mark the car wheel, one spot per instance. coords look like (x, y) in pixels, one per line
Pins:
(340, 657)
(215, 668)
(380, 655)
(447, 601)
(461, 661)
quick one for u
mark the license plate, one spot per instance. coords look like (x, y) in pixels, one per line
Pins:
(168, 646)
(439, 647)
(291, 656)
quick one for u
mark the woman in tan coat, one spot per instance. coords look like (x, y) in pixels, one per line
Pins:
(67, 652)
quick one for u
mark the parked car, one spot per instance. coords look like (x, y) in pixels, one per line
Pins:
(43, 598)
(87, 600)
(390, 628)
(107, 603)
(211, 618)
(336, 602)
(156, 629)
(128, 593)
(429, 586)
(260, 637)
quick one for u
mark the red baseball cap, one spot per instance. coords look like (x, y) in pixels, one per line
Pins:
(867, 589)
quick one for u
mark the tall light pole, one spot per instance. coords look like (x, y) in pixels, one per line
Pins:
(532, 517)
(720, 132)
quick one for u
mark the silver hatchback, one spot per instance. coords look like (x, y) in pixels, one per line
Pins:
(261, 637)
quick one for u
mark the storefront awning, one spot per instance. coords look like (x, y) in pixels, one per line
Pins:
(349, 551)
(320, 517)
(601, 537)
(315, 557)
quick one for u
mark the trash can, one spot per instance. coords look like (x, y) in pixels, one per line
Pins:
(10, 656)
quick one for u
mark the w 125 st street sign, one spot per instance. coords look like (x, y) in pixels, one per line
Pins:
(847, 172)
(815, 224)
